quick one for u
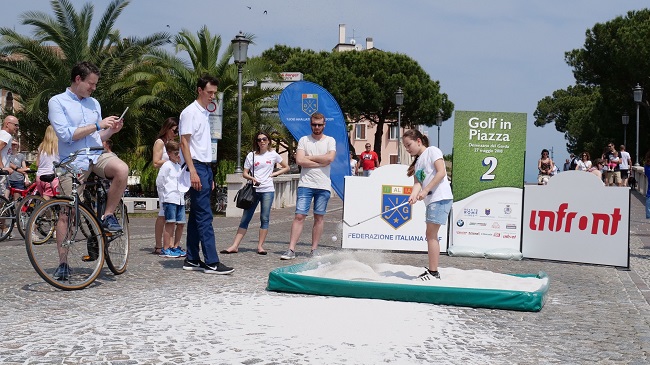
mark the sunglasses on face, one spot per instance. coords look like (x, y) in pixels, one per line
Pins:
(263, 139)
(317, 125)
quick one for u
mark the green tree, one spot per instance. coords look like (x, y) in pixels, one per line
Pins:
(164, 84)
(36, 68)
(364, 83)
(614, 58)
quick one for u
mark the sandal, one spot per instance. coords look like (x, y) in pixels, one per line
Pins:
(157, 250)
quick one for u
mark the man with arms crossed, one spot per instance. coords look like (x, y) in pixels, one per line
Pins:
(77, 120)
(315, 153)
(196, 147)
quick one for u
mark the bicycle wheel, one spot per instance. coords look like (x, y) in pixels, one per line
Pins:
(7, 218)
(71, 259)
(25, 210)
(117, 244)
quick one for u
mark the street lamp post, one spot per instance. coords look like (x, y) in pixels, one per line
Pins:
(638, 96)
(625, 119)
(439, 123)
(399, 100)
(239, 50)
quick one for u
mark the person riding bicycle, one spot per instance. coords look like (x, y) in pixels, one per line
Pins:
(77, 120)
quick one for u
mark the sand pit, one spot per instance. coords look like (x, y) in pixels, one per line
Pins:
(366, 275)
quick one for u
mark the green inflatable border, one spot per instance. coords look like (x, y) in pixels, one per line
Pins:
(287, 279)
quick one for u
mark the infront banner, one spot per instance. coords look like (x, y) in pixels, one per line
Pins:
(487, 180)
(399, 229)
(297, 103)
(589, 224)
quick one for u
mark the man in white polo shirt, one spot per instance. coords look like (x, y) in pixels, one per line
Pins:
(194, 129)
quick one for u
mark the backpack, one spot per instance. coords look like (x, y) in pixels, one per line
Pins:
(573, 164)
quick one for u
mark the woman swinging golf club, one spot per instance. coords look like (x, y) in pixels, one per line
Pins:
(430, 184)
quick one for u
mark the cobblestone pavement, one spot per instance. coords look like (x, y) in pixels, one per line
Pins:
(156, 313)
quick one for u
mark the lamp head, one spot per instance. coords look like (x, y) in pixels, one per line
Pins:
(399, 97)
(240, 48)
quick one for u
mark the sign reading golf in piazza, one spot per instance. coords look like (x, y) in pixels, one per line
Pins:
(487, 180)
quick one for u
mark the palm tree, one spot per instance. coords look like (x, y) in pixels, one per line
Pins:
(164, 84)
(37, 68)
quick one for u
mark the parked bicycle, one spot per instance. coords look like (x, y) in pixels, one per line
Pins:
(17, 211)
(218, 198)
(66, 243)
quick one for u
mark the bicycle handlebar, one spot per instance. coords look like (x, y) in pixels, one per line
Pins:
(65, 163)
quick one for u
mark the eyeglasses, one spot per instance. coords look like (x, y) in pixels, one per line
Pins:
(263, 139)
(317, 125)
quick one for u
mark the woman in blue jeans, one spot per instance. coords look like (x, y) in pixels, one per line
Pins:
(258, 168)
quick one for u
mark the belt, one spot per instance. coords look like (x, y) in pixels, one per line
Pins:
(201, 162)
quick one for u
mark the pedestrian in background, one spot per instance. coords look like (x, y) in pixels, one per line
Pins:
(261, 162)
(584, 164)
(168, 132)
(624, 166)
(353, 164)
(368, 160)
(545, 166)
(430, 184)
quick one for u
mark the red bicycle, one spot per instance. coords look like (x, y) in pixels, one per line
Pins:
(26, 203)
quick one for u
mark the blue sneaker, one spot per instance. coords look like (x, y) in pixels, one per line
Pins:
(62, 272)
(169, 252)
(111, 224)
(179, 251)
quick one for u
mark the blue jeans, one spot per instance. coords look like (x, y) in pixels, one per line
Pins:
(647, 207)
(266, 199)
(199, 223)
(174, 213)
(305, 195)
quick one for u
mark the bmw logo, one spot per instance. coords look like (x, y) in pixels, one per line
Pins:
(460, 223)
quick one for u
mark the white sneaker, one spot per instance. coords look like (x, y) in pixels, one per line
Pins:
(289, 255)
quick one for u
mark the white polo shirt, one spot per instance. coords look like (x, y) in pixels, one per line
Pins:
(194, 121)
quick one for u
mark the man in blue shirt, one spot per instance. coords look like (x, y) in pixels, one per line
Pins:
(77, 120)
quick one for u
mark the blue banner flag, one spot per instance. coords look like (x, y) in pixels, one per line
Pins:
(297, 103)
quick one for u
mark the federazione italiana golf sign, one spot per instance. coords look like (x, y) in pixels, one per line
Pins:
(488, 179)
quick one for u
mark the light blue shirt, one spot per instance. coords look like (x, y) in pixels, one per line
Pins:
(67, 113)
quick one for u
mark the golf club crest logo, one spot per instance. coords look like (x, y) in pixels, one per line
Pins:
(392, 197)
(310, 103)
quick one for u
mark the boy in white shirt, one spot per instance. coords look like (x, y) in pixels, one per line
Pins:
(171, 193)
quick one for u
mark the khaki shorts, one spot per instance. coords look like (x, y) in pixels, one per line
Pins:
(65, 181)
(613, 177)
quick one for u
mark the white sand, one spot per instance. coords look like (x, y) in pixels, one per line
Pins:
(363, 267)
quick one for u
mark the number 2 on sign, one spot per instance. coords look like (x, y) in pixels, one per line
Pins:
(492, 162)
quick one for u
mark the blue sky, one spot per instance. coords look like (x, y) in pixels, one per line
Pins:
(498, 55)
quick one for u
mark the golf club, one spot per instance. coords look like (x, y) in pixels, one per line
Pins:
(377, 215)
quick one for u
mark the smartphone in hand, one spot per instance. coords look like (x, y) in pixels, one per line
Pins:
(122, 116)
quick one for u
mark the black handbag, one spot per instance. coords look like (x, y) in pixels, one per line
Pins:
(246, 195)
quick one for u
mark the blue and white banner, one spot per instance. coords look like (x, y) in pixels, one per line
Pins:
(297, 103)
